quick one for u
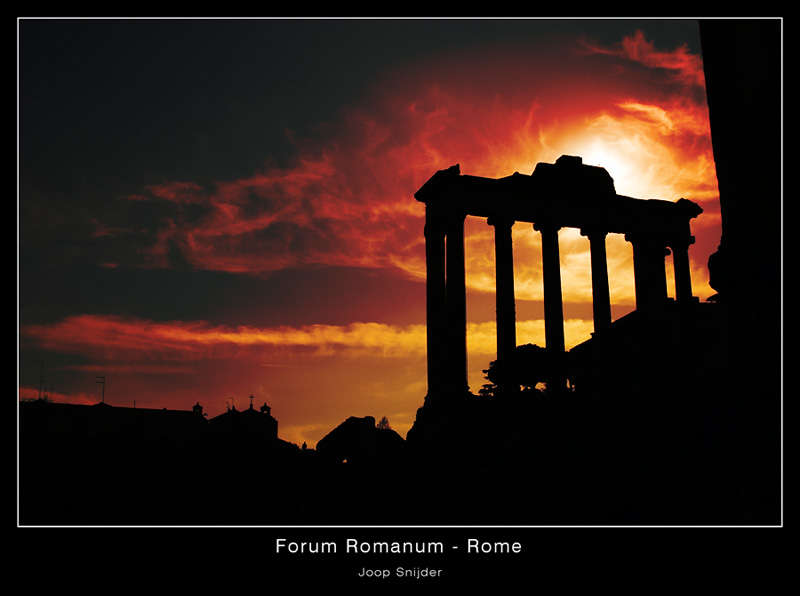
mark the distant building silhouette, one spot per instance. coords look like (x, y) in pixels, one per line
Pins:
(110, 464)
(103, 419)
(250, 421)
(360, 441)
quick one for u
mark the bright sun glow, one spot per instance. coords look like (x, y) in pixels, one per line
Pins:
(609, 154)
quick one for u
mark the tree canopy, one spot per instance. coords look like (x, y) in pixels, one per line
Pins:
(528, 366)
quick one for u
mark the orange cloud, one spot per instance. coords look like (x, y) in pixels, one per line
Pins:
(685, 66)
(351, 203)
(286, 366)
(139, 369)
(111, 339)
(28, 393)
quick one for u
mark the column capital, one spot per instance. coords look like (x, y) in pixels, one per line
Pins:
(594, 232)
(681, 242)
(649, 243)
(500, 221)
(455, 215)
(434, 227)
(435, 220)
(546, 226)
(645, 239)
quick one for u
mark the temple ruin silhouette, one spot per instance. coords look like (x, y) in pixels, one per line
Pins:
(569, 194)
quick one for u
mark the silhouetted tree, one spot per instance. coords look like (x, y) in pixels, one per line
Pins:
(489, 389)
(528, 366)
(384, 424)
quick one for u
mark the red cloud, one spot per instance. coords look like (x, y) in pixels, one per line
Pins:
(177, 192)
(114, 339)
(139, 346)
(348, 198)
(29, 393)
(685, 66)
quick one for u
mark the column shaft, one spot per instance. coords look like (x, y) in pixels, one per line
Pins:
(456, 303)
(683, 275)
(504, 279)
(650, 277)
(553, 306)
(435, 295)
(658, 272)
(639, 275)
(601, 300)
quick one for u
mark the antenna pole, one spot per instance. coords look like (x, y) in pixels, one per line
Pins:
(102, 382)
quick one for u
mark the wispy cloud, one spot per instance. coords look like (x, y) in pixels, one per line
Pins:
(347, 198)
(28, 393)
(684, 66)
(351, 203)
(112, 339)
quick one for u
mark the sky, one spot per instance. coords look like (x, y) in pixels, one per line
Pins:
(213, 209)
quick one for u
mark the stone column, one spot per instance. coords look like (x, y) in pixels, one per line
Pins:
(601, 300)
(648, 269)
(436, 305)
(456, 303)
(553, 306)
(639, 275)
(680, 263)
(504, 280)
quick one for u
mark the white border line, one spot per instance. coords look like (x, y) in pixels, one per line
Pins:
(332, 527)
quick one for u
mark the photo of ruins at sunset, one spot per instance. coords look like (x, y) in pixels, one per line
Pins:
(497, 261)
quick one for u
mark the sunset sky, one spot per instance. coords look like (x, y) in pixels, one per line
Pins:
(213, 209)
